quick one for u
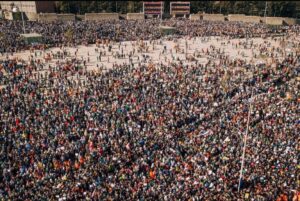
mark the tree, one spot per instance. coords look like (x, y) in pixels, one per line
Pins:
(278, 8)
(130, 6)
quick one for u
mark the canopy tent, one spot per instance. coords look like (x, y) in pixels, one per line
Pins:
(165, 30)
(32, 38)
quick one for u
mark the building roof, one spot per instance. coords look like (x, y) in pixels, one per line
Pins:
(31, 35)
(167, 28)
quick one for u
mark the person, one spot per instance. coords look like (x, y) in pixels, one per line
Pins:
(161, 131)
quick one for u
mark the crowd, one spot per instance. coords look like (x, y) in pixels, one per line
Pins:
(54, 34)
(149, 131)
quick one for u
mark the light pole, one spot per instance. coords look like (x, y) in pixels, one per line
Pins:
(17, 9)
(246, 136)
(22, 17)
(265, 13)
(245, 143)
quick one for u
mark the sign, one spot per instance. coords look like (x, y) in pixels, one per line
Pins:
(153, 8)
(180, 8)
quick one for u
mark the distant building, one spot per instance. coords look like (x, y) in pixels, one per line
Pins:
(180, 8)
(29, 8)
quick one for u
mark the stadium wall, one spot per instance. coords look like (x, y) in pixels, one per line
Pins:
(213, 17)
(253, 19)
(31, 16)
(273, 20)
(195, 17)
(65, 17)
(291, 21)
(135, 16)
(47, 17)
(244, 18)
(101, 16)
(236, 17)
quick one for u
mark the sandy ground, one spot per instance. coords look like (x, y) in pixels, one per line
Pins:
(194, 45)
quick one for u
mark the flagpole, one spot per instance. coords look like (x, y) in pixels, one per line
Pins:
(245, 142)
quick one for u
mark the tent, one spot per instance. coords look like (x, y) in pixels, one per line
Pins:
(32, 38)
(165, 30)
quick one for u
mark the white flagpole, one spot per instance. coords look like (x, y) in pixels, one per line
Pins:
(245, 142)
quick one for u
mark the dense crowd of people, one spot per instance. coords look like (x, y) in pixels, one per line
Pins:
(149, 131)
(54, 34)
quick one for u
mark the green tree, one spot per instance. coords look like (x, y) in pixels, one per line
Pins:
(275, 8)
(130, 6)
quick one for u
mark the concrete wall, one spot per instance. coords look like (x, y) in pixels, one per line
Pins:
(135, 16)
(273, 20)
(243, 18)
(213, 17)
(53, 17)
(32, 16)
(291, 21)
(101, 16)
(258, 19)
(47, 17)
(195, 17)
(236, 17)
(253, 19)
(65, 17)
